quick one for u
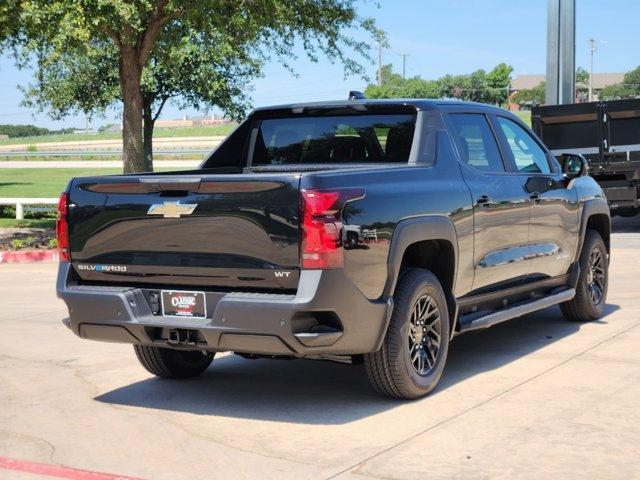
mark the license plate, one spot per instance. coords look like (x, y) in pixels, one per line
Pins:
(183, 304)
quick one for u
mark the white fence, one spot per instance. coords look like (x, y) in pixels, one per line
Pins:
(94, 154)
(21, 203)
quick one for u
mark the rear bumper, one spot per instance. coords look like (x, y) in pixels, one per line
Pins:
(622, 197)
(267, 324)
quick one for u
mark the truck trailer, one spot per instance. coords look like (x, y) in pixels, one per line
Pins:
(608, 135)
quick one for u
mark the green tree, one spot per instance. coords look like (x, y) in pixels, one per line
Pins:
(526, 98)
(145, 52)
(498, 83)
(394, 86)
(478, 86)
(471, 87)
(582, 77)
(629, 88)
(616, 91)
(632, 81)
(16, 131)
(190, 70)
(9, 19)
(391, 83)
(582, 83)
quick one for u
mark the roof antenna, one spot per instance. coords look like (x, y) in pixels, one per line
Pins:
(356, 95)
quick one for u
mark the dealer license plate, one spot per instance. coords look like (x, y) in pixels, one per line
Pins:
(183, 304)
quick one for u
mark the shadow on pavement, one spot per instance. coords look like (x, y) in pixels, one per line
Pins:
(484, 350)
(314, 392)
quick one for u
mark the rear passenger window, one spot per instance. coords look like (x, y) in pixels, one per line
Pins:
(527, 154)
(476, 143)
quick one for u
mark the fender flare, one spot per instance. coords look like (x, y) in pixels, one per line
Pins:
(594, 206)
(413, 230)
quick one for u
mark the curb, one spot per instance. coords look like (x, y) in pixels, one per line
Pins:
(29, 256)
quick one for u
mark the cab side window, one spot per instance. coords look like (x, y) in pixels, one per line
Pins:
(528, 156)
(476, 144)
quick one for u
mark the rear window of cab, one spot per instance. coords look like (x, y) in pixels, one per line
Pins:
(379, 138)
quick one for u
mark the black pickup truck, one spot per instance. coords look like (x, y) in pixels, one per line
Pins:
(356, 231)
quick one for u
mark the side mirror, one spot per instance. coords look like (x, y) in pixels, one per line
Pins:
(573, 165)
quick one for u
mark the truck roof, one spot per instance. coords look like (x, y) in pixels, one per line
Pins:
(418, 103)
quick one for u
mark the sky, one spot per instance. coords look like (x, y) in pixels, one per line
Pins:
(439, 37)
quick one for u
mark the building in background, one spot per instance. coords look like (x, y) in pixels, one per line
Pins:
(186, 121)
(528, 82)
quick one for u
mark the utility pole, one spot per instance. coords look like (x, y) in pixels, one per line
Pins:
(561, 48)
(404, 64)
(379, 63)
(593, 47)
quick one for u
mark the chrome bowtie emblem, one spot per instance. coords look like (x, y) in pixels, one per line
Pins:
(172, 209)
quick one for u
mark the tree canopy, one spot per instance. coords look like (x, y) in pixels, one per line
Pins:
(582, 84)
(18, 131)
(479, 86)
(629, 88)
(528, 97)
(89, 54)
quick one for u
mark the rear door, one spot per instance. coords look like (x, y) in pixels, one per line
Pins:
(500, 205)
(554, 223)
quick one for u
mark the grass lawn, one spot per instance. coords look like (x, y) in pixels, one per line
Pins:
(525, 116)
(27, 223)
(44, 182)
(158, 133)
(87, 157)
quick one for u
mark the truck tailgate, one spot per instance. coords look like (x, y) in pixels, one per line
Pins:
(191, 229)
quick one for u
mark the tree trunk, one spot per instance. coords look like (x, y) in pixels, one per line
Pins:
(132, 146)
(147, 138)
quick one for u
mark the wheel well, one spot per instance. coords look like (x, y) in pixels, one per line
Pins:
(434, 255)
(601, 224)
(438, 256)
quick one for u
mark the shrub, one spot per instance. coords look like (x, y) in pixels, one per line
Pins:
(7, 211)
(17, 244)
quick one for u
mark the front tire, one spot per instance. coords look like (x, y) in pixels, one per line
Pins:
(414, 351)
(170, 363)
(593, 282)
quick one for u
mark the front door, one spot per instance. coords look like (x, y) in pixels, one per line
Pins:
(554, 225)
(500, 205)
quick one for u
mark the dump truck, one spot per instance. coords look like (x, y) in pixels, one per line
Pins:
(608, 135)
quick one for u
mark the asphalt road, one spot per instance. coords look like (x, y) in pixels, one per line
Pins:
(536, 397)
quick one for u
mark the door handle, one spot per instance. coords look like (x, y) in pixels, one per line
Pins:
(484, 200)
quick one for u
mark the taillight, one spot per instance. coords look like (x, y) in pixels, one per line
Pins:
(62, 234)
(322, 226)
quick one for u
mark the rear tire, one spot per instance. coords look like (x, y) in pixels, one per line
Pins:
(170, 363)
(414, 351)
(593, 282)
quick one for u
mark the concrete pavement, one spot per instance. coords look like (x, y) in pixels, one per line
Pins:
(537, 397)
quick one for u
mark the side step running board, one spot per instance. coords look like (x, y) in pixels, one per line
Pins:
(475, 322)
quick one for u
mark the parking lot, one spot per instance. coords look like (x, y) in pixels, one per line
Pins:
(537, 397)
